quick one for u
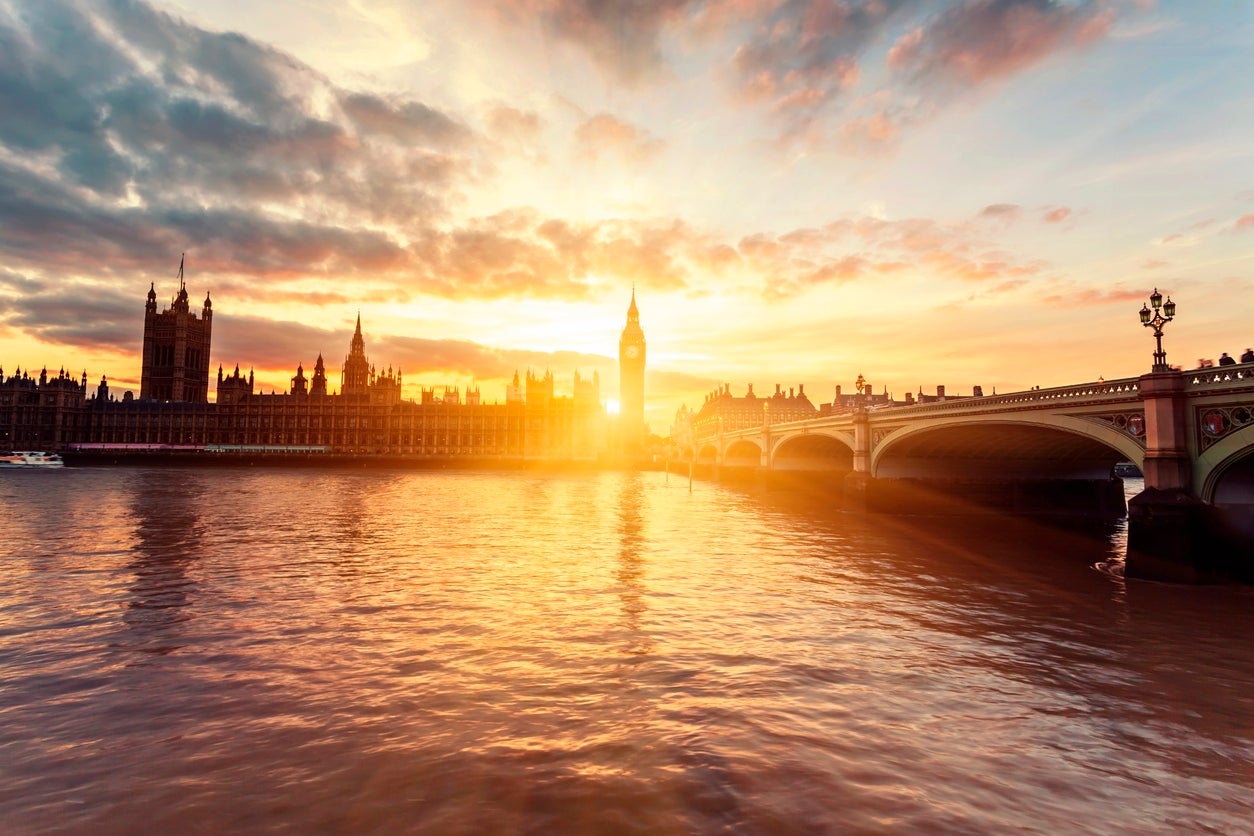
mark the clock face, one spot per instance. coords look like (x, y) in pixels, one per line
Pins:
(633, 351)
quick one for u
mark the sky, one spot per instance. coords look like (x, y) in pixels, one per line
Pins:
(972, 192)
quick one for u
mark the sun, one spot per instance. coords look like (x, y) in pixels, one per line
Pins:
(611, 406)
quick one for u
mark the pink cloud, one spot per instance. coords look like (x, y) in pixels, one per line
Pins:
(605, 133)
(870, 136)
(1244, 222)
(1057, 215)
(984, 40)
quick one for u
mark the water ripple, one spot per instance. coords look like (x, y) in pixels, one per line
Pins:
(474, 652)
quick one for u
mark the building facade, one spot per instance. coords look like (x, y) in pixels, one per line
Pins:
(367, 417)
(176, 349)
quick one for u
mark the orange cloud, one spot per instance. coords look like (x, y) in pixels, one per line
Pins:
(869, 136)
(606, 134)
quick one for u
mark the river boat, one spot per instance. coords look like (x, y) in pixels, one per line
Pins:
(30, 458)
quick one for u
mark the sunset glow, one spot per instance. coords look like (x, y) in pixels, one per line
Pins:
(978, 192)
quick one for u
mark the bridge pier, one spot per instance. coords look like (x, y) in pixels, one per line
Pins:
(859, 486)
(858, 492)
(1171, 532)
(1171, 538)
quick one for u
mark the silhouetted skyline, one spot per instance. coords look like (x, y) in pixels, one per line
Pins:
(800, 191)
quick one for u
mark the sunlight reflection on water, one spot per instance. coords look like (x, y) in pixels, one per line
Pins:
(461, 652)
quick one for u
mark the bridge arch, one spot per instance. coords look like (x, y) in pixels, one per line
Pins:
(1005, 447)
(1224, 473)
(813, 451)
(742, 453)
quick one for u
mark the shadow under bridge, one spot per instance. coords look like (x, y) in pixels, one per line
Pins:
(812, 452)
(1011, 466)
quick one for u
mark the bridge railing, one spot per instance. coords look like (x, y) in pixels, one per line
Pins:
(1105, 391)
(1108, 391)
(1221, 377)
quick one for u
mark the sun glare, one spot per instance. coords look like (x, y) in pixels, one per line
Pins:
(611, 406)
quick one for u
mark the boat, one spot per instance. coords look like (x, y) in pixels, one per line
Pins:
(30, 458)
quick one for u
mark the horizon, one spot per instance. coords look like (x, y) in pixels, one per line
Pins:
(959, 194)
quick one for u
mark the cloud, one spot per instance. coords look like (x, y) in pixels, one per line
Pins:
(1177, 239)
(515, 131)
(1002, 211)
(403, 121)
(873, 249)
(873, 135)
(801, 55)
(1073, 297)
(605, 134)
(979, 41)
(77, 314)
(1243, 223)
(131, 135)
(621, 38)
(1057, 214)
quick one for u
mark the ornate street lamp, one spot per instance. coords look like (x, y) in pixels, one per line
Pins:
(1160, 315)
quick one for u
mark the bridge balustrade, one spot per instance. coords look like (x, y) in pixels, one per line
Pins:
(1218, 378)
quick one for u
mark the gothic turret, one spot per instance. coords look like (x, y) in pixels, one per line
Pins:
(357, 370)
(300, 386)
(318, 386)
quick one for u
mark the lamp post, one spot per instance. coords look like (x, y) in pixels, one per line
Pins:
(1160, 315)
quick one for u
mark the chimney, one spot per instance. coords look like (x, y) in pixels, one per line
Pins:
(978, 391)
(940, 391)
(801, 390)
(837, 392)
(909, 398)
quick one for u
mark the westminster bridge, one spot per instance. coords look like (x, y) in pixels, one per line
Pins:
(1191, 433)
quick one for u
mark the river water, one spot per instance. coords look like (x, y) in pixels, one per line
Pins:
(457, 652)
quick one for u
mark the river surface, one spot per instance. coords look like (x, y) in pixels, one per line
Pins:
(456, 652)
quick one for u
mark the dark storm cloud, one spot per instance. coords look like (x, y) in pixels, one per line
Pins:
(130, 134)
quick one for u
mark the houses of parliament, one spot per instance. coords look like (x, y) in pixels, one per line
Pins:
(366, 417)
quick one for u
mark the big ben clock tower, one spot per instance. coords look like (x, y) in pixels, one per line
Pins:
(631, 383)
